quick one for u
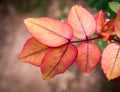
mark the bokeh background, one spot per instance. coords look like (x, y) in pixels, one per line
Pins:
(16, 76)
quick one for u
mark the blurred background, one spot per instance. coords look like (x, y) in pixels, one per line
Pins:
(16, 76)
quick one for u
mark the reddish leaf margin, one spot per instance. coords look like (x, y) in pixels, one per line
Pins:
(57, 60)
(33, 52)
(111, 61)
(88, 56)
(48, 31)
(82, 22)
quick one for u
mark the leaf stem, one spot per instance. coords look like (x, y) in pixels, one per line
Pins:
(89, 39)
(116, 40)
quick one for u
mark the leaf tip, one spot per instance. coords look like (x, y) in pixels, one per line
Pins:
(26, 20)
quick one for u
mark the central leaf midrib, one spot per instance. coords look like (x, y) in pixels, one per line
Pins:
(83, 29)
(49, 30)
(87, 56)
(57, 62)
(33, 53)
(115, 61)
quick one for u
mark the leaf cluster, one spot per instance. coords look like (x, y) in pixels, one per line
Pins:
(54, 43)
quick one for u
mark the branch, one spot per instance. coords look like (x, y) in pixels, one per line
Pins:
(98, 37)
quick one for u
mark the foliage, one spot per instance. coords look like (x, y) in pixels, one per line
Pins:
(108, 6)
(114, 6)
(54, 44)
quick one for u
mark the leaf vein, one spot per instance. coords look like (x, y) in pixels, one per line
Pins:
(118, 52)
(57, 62)
(83, 29)
(87, 56)
(32, 54)
(50, 30)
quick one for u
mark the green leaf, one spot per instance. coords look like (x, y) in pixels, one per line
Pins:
(114, 6)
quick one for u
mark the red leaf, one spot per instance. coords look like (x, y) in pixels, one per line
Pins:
(88, 56)
(107, 30)
(57, 60)
(82, 21)
(109, 26)
(49, 31)
(111, 61)
(100, 21)
(33, 52)
(117, 23)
